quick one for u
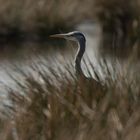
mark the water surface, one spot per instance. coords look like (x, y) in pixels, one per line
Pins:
(55, 54)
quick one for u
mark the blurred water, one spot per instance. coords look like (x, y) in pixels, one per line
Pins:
(24, 55)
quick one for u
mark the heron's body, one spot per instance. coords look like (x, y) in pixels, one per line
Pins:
(81, 40)
(93, 88)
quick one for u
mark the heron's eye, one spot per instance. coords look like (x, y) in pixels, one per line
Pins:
(81, 37)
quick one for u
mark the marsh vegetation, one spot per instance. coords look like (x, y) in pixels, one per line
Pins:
(47, 101)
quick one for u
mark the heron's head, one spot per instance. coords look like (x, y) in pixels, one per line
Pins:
(74, 36)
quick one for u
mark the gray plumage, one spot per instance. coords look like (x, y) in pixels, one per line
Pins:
(81, 40)
(90, 85)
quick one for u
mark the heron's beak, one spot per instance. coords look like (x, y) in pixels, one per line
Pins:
(66, 36)
(59, 36)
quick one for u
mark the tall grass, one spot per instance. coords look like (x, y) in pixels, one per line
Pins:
(44, 17)
(40, 17)
(62, 107)
(57, 106)
(119, 20)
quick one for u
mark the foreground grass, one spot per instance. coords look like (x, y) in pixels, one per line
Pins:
(58, 106)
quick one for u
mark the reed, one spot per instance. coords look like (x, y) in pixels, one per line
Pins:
(59, 106)
(28, 17)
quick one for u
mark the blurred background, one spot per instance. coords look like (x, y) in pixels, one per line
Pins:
(35, 65)
(111, 28)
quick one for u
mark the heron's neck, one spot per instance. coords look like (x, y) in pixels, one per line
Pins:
(79, 56)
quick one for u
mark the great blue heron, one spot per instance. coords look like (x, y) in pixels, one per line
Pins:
(81, 40)
(91, 84)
